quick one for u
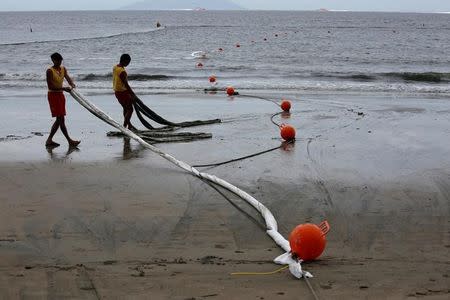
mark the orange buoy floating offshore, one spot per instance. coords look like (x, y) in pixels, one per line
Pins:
(220, 49)
(212, 78)
(238, 45)
(199, 65)
(230, 91)
(285, 105)
(308, 240)
(287, 132)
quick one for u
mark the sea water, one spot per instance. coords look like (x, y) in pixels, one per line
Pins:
(314, 52)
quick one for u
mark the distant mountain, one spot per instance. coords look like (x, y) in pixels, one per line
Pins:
(183, 4)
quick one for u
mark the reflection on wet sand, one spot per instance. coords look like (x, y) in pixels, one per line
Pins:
(61, 157)
(129, 152)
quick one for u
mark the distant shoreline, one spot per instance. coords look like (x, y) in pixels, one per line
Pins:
(231, 10)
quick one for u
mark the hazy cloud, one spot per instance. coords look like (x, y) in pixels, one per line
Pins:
(379, 5)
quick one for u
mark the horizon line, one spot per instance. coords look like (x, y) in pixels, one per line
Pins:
(242, 9)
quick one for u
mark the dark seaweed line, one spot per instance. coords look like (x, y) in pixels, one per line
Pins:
(80, 39)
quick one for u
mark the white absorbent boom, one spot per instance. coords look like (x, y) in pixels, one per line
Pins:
(271, 223)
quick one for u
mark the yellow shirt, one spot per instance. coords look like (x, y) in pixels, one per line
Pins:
(118, 85)
(58, 76)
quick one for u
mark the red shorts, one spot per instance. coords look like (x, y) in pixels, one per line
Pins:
(57, 103)
(125, 99)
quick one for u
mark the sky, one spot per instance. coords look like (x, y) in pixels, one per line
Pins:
(358, 5)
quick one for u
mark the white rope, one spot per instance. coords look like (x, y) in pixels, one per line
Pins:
(271, 223)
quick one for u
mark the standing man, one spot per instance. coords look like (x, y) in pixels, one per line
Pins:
(123, 91)
(55, 79)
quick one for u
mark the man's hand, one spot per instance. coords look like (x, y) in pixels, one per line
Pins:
(73, 85)
(67, 89)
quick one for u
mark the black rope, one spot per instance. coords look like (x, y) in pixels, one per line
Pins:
(261, 98)
(242, 158)
(273, 116)
(313, 292)
(142, 109)
(255, 154)
(141, 118)
(139, 105)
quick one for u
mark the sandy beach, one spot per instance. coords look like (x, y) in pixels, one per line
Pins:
(113, 221)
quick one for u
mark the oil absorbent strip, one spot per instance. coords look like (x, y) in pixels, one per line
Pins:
(271, 224)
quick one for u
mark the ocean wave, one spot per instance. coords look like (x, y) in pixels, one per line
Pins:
(426, 77)
(136, 77)
(232, 73)
(201, 26)
(82, 39)
(313, 87)
(266, 84)
(22, 77)
(236, 68)
(421, 77)
(345, 76)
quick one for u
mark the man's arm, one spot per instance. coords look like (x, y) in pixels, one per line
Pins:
(123, 77)
(69, 79)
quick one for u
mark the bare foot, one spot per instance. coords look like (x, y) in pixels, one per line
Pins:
(72, 149)
(74, 143)
(51, 144)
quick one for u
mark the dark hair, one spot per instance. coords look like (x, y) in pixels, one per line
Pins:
(125, 57)
(56, 56)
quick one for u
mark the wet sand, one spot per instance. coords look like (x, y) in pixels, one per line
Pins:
(113, 221)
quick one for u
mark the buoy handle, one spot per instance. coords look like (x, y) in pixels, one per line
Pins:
(325, 227)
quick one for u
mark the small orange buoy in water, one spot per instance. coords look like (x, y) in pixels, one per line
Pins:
(285, 105)
(230, 91)
(238, 45)
(287, 132)
(212, 78)
(308, 241)
(199, 65)
(220, 49)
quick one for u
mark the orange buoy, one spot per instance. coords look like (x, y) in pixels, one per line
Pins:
(238, 45)
(285, 105)
(199, 65)
(230, 91)
(308, 240)
(220, 49)
(287, 132)
(212, 78)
